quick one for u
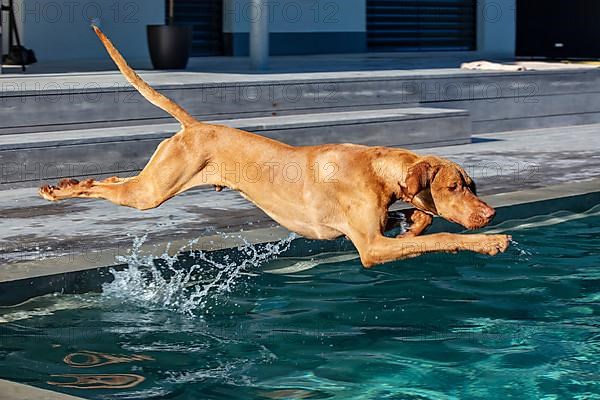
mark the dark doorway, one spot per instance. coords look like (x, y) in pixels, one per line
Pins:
(206, 17)
(558, 29)
(422, 25)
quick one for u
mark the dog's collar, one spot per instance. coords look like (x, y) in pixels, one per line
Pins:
(432, 209)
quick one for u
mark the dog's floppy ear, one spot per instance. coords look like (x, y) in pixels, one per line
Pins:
(473, 187)
(469, 182)
(418, 178)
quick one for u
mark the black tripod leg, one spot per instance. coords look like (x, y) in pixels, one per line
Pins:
(13, 30)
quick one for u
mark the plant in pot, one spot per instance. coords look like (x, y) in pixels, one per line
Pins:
(169, 44)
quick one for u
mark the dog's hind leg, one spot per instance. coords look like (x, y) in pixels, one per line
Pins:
(169, 172)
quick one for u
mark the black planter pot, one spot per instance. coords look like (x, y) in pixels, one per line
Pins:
(169, 45)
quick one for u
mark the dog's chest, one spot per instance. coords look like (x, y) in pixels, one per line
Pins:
(296, 219)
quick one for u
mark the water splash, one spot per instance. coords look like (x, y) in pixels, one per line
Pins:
(523, 253)
(399, 219)
(226, 372)
(185, 290)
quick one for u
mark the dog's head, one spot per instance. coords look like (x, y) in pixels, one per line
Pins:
(441, 187)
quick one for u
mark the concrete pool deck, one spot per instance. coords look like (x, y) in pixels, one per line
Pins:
(43, 239)
(17, 391)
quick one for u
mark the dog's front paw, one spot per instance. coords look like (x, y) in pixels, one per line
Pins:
(493, 244)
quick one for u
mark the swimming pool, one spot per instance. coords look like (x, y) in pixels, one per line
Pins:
(525, 325)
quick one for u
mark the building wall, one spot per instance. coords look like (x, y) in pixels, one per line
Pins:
(338, 26)
(60, 30)
(299, 26)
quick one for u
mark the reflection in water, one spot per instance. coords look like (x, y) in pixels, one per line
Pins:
(94, 359)
(104, 381)
(286, 394)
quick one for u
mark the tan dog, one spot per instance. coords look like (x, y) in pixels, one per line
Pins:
(320, 192)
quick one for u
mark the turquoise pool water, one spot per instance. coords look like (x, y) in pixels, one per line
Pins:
(523, 325)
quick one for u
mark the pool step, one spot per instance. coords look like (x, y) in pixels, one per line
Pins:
(28, 159)
(496, 101)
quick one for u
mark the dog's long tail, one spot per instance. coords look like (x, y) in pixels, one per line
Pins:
(146, 90)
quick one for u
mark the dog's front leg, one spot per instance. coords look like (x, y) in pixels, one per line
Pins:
(414, 222)
(419, 222)
(380, 249)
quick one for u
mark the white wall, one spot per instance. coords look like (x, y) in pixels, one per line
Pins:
(496, 27)
(298, 15)
(60, 29)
